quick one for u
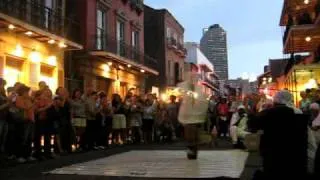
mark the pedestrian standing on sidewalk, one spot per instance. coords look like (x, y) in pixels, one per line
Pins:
(173, 110)
(67, 135)
(43, 101)
(149, 111)
(79, 118)
(223, 111)
(286, 136)
(304, 102)
(135, 118)
(12, 137)
(26, 127)
(119, 121)
(316, 122)
(104, 120)
(212, 112)
(4, 108)
(163, 128)
(91, 128)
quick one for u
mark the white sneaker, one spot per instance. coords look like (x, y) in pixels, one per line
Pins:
(31, 159)
(21, 160)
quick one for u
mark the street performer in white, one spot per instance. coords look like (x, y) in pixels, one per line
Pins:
(192, 113)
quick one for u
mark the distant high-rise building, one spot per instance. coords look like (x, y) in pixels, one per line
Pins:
(214, 45)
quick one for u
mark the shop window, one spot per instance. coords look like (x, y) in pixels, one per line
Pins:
(103, 84)
(47, 75)
(13, 71)
(12, 75)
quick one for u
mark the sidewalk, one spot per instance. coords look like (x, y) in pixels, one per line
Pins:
(37, 170)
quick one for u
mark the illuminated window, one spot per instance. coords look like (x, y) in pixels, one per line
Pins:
(12, 75)
(13, 70)
(47, 75)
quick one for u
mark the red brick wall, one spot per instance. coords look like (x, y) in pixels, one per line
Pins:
(89, 16)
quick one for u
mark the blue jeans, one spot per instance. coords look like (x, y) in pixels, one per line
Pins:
(3, 134)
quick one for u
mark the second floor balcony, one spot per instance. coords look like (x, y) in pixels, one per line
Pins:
(172, 42)
(181, 50)
(296, 8)
(34, 16)
(109, 46)
(301, 38)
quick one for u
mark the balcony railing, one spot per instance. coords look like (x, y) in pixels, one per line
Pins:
(182, 49)
(111, 44)
(172, 42)
(302, 20)
(41, 17)
(209, 81)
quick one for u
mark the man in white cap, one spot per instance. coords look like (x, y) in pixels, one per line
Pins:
(235, 121)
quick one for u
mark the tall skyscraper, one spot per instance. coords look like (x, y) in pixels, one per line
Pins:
(214, 45)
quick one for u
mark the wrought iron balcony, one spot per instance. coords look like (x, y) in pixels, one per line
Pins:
(182, 50)
(110, 44)
(172, 42)
(305, 19)
(40, 16)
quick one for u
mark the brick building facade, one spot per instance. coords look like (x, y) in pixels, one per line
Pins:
(164, 39)
(113, 36)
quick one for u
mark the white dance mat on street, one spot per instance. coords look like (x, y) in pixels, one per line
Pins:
(163, 164)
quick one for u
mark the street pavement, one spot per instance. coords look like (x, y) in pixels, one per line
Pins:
(141, 162)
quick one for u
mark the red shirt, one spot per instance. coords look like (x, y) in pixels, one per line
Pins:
(223, 109)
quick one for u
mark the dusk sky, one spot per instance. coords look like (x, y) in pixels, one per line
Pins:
(254, 34)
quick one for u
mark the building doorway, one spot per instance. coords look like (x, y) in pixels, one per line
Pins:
(176, 73)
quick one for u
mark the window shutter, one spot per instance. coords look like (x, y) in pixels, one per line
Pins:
(61, 78)
(2, 66)
(34, 71)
